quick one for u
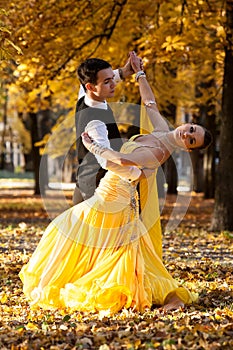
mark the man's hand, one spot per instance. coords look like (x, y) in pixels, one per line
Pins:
(128, 68)
(135, 62)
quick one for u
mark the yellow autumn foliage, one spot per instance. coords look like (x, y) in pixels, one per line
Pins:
(182, 46)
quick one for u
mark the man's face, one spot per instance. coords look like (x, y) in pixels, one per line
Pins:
(105, 86)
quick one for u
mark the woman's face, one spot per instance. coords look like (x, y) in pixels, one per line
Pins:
(189, 135)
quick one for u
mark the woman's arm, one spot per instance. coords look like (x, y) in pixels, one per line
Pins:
(130, 173)
(98, 132)
(143, 157)
(147, 96)
(158, 122)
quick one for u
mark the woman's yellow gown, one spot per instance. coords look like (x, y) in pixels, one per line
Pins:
(98, 255)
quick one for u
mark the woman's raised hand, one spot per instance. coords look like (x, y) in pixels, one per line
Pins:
(136, 62)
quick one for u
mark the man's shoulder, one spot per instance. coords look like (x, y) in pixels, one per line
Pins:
(80, 104)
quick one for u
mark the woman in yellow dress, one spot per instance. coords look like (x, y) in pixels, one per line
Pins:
(98, 255)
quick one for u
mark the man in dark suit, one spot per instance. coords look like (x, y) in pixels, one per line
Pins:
(98, 81)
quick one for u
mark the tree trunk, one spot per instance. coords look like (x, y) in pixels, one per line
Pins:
(204, 178)
(39, 185)
(209, 155)
(222, 217)
(198, 174)
(2, 157)
(210, 160)
(170, 165)
(171, 176)
(161, 180)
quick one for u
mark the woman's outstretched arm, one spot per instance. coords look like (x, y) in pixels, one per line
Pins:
(142, 157)
(97, 132)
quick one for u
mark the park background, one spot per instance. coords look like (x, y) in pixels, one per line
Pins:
(187, 50)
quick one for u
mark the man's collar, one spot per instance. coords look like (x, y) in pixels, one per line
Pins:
(92, 103)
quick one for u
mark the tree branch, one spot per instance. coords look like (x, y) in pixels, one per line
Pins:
(107, 33)
(184, 4)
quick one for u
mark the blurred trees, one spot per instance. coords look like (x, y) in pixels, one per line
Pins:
(7, 50)
(183, 44)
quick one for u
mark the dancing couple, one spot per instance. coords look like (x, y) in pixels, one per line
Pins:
(98, 255)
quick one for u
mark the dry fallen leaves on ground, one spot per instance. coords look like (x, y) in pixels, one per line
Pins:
(201, 259)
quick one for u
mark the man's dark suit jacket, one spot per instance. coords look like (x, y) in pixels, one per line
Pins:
(89, 171)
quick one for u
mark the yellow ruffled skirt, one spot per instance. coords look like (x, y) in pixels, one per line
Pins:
(98, 256)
